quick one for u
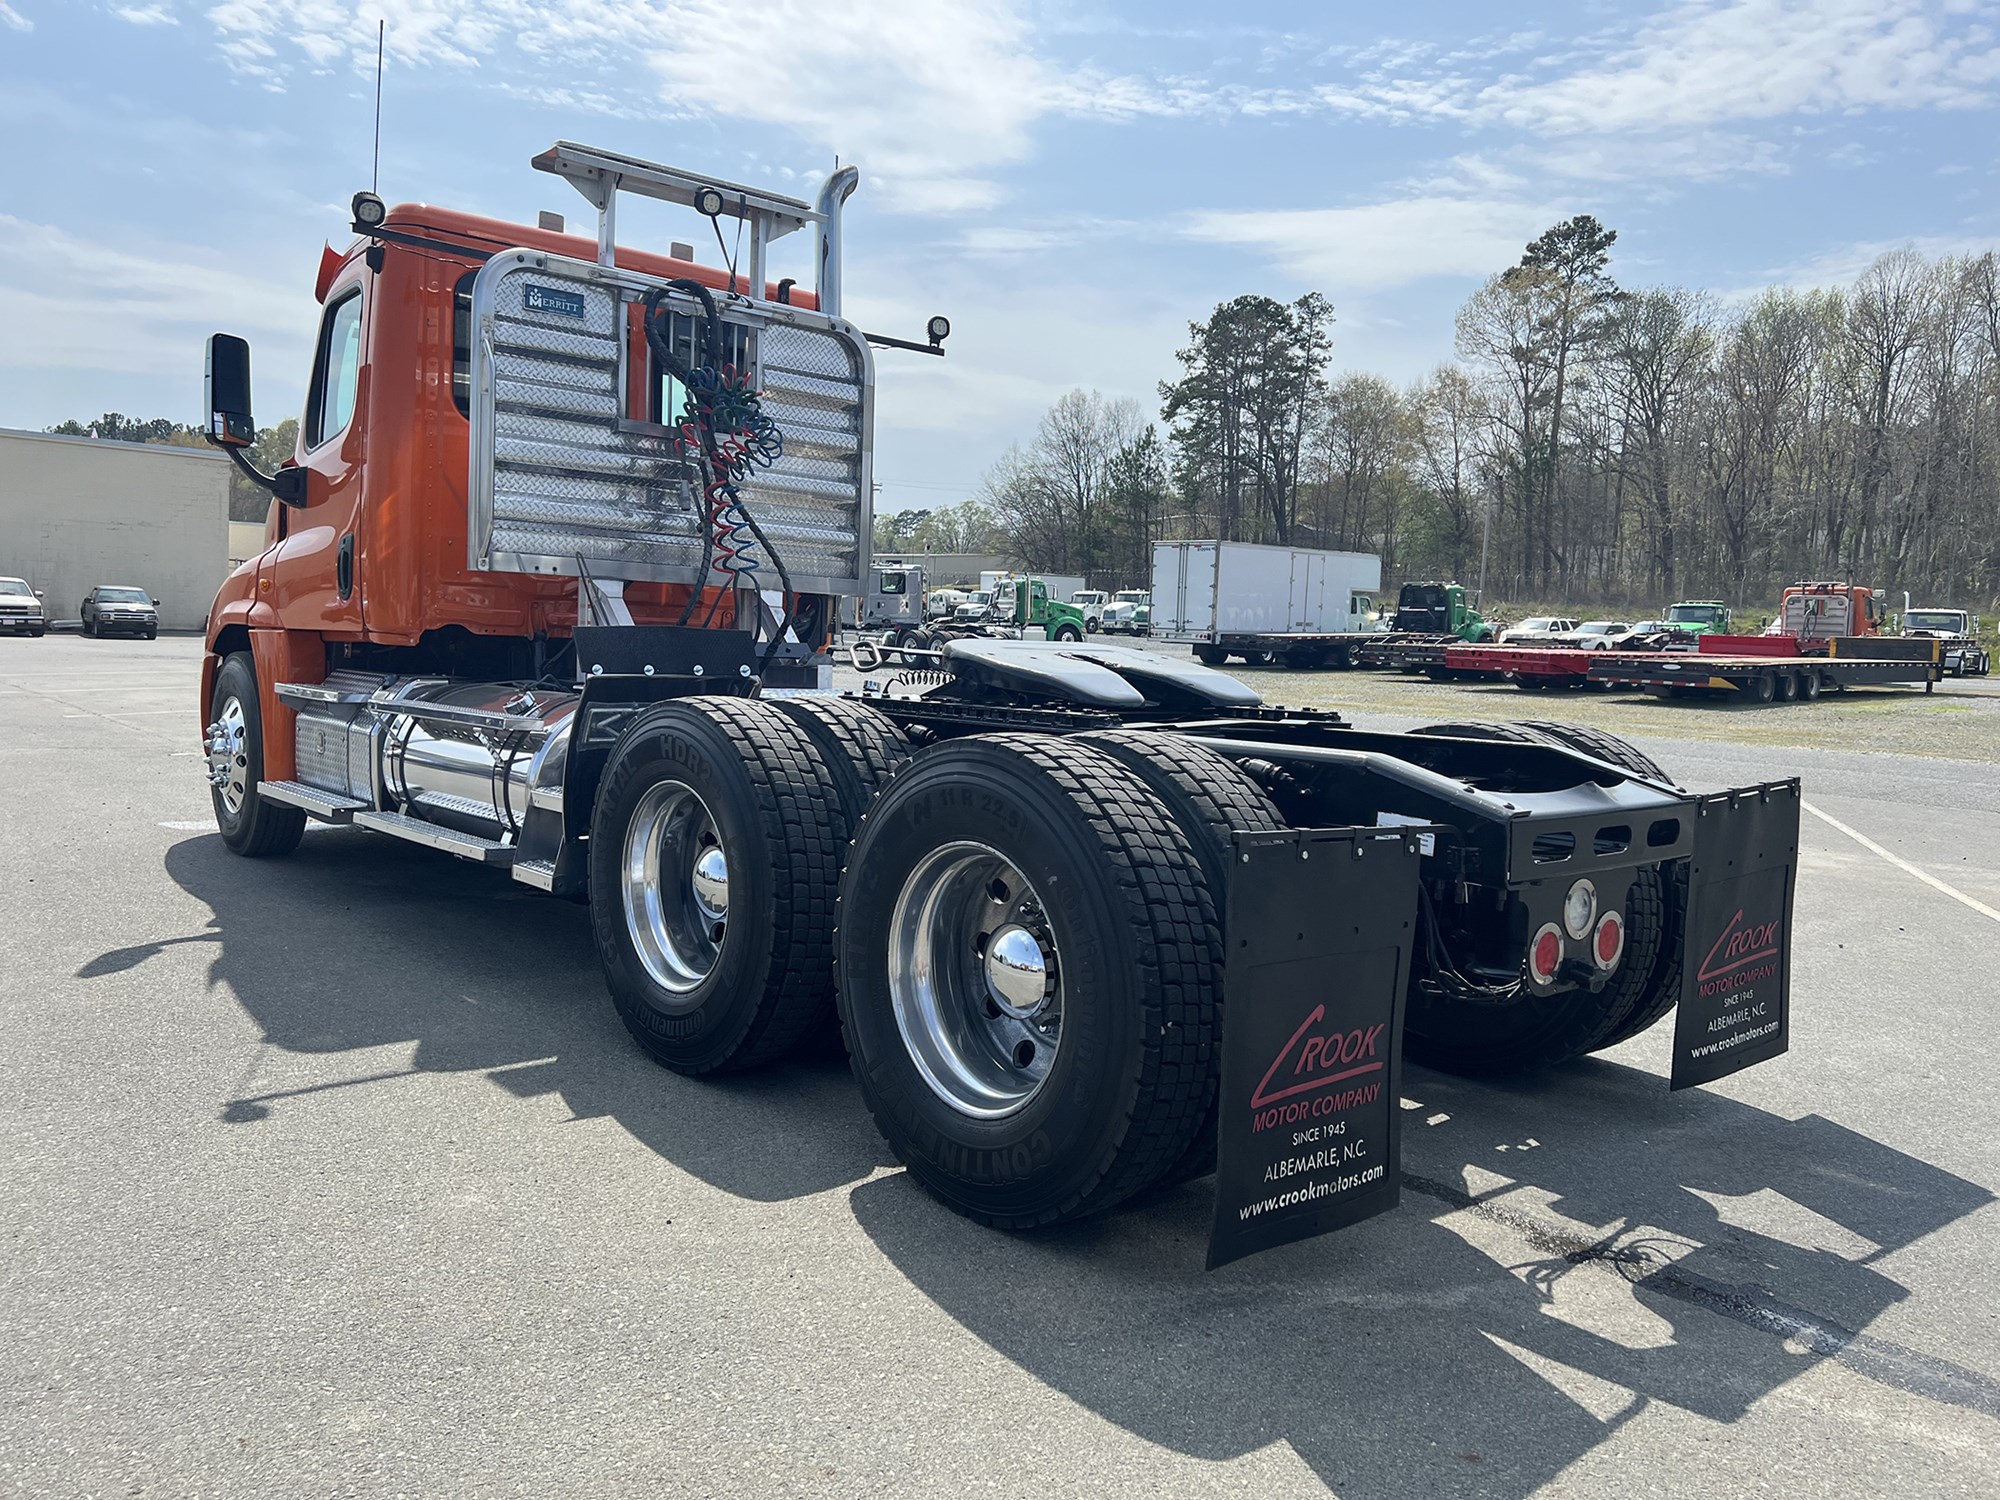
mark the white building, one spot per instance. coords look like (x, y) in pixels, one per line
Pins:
(77, 512)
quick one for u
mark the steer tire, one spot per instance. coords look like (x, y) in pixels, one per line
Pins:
(259, 828)
(1067, 633)
(1210, 799)
(1122, 902)
(774, 808)
(860, 747)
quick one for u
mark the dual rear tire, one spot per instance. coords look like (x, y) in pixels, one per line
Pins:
(1026, 933)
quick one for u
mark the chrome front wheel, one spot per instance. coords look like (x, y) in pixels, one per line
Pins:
(228, 755)
(975, 980)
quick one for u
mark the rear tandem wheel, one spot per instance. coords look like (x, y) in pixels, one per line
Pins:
(1027, 961)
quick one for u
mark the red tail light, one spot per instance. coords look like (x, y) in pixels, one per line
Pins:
(1545, 955)
(1608, 946)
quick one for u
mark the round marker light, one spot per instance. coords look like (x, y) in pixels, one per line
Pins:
(1579, 909)
(1545, 955)
(939, 328)
(369, 210)
(1609, 945)
(708, 201)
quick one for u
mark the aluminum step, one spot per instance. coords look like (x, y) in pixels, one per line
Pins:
(539, 873)
(332, 807)
(464, 845)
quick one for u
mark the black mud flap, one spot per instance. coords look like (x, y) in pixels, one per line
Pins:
(1736, 972)
(1320, 924)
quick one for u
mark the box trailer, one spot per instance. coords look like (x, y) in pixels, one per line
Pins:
(1262, 603)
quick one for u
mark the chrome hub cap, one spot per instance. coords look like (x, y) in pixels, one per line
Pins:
(711, 883)
(674, 880)
(975, 980)
(229, 756)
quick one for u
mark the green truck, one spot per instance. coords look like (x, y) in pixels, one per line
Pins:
(1439, 609)
(1699, 617)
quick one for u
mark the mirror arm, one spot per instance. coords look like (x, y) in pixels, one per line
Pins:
(289, 485)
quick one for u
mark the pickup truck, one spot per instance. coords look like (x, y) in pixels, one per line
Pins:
(1540, 630)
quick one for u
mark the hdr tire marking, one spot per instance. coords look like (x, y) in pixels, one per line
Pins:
(1902, 864)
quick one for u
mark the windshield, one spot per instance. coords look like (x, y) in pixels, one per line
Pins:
(1539, 622)
(1934, 619)
(1132, 596)
(122, 596)
(15, 586)
(1600, 627)
(1696, 614)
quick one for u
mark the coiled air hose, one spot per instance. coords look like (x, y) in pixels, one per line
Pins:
(722, 424)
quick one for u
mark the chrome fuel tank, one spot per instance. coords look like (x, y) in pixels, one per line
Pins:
(468, 755)
(470, 771)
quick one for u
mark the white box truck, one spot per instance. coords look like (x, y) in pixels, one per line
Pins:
(1305, 607)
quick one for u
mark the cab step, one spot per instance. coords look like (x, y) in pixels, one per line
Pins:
(465, 845)
(329, 807)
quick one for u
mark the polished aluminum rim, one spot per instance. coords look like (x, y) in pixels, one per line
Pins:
(675, 877)
(975, 980)
(229, 756)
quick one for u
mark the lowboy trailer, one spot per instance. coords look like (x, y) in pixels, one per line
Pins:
(550, 586)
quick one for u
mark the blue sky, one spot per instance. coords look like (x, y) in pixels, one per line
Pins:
(1070, 182)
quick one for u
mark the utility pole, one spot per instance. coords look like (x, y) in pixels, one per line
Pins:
(1486, 537)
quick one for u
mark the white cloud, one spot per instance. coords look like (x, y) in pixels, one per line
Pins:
(930, 96)
(82, 304)
(1710, 61)
(1659, 100)
(1840, 265)
(13, 20)
(146, 15)
(1380, 245)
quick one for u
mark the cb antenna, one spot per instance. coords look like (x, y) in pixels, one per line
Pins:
(375, 177)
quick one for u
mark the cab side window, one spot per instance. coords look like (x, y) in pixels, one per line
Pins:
(336, 371)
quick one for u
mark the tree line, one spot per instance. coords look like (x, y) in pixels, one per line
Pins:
(1590, 442)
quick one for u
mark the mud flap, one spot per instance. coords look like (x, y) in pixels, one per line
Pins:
(1320, 926)
(1736, 974)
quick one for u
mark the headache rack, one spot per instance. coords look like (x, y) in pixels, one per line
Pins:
(576, 467)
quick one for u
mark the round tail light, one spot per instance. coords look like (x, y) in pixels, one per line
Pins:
(1608, 946)
(1545, 955)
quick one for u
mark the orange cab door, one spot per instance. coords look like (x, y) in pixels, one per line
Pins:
(314, 571)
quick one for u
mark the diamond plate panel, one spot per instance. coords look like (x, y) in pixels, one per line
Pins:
(560, 472)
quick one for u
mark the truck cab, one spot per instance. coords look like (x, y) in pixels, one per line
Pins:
(895, 596)
(1821, 611)
(1439, 609)
(1695, 618)
(1964, 656)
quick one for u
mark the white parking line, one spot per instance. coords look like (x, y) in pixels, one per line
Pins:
(1902, 864)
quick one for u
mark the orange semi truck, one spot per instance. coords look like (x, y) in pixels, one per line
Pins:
(549, 585)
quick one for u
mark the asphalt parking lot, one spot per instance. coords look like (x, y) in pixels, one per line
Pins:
(337, 1175)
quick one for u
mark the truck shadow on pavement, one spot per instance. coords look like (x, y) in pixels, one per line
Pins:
(1566, 1256)
(357, 941)
(1569, 1254)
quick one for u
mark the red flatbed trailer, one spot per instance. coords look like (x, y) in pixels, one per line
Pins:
(1764, 669)
(1773, 669)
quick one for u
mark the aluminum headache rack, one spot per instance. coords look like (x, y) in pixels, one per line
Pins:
(572, 469)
